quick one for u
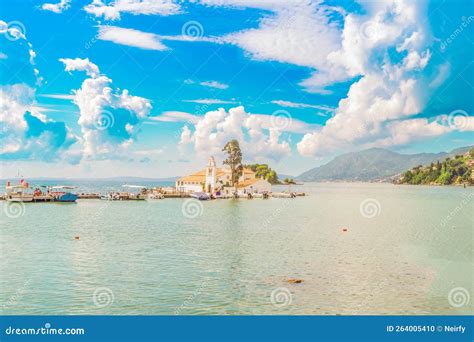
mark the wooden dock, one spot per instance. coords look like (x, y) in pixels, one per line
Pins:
(43, 198)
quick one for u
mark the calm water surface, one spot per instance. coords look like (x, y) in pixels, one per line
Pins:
(404, 250)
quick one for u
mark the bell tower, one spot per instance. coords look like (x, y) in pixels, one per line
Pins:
(210, 175)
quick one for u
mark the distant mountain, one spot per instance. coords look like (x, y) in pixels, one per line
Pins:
(374, 164)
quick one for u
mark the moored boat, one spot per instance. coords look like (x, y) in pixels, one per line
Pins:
(202, 196)
(19, 192)
(62, 193)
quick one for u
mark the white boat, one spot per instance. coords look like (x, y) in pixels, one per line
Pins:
(19, 197)
(18, 193)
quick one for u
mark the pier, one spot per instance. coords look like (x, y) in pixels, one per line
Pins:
(97, 196)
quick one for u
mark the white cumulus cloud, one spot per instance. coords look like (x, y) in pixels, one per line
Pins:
(109, 118)
(214, 84)
(57, 7)
(131, 37)
(79, 64)
(378, 107)
(25, 132)
(215, 128)
(114, 9)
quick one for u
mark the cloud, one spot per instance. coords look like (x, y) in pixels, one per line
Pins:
(209, 101)
(404, 131)
(215, 128)
(214, 84)
(151, 41)
(79, 64)
(58, 96)
(442, 73)
(145, 156)
(13, 34)
(392, 87)
(297, 32)
(109, 119)
(175, 116)
(130, 37)
(26, 133)
(290, 125)
(57, 7)
(267, 122)
(290, 104)
(136, 7)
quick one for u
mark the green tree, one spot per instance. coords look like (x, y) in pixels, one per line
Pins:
(262, 170)
(271, 177)
(234, 160)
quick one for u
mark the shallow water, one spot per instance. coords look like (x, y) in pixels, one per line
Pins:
(407, 250)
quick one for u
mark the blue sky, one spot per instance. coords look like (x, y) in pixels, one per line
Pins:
(152, 88)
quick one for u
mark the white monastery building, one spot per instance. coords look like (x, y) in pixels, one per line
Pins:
(213, 179)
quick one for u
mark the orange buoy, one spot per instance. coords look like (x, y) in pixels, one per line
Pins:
(76, 237)
(295, 281)
(344, 229)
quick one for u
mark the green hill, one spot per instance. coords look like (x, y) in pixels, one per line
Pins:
(456, 170)
(374, 164)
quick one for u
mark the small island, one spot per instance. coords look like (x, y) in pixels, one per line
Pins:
(451, 171)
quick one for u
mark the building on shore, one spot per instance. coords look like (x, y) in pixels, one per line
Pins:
(214, 179)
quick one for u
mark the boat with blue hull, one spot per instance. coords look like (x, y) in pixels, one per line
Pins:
(62, 193)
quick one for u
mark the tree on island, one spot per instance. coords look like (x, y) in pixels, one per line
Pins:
(262, 170)
(234, 160)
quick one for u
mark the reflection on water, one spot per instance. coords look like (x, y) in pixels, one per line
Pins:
(402, 253)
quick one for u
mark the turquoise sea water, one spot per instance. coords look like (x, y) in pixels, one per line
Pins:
(407, 250)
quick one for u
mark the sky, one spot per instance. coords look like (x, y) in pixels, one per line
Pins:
(96, 88)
